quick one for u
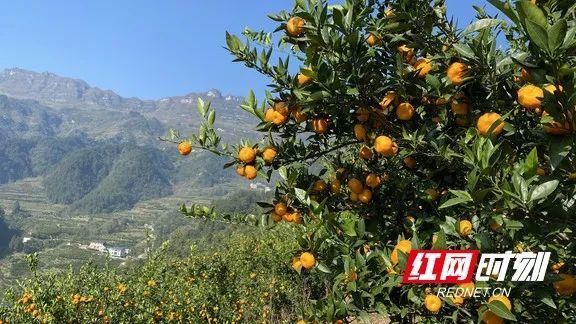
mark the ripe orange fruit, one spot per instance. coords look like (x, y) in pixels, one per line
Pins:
(269, 154)
(308, 260)
(247, 154)
(373, 40)
(566, 286)
(552, 88)
(404, 246)
(276, 218)
(503, 299)
(355, 186)
(388, 99)
(280, 208)
(335, 186)
(295, 27)
(354, 196)
(319, 186)
(457, 300)
(366, 153)
(282, 108)
(240, 170)
(251, 172)
(320, 125)
(362, 114)
(275, 117)
(365, 196)
(530, 96)
(461, 121)
(298, 115)
(557, 266)
(457, 72)
(288, 217)
(460, 104)
(556, 127)
(433, 303)
(296, 264)
(385, 146)
(432, 193)
(485, 122)
(406, 52)
(423, 67)
(468, 289)
(184, 148)
(464, 227)
(303, 79)
(360, 132)
(297, 217)
(409, 162)
(491, 318)
(405, 111)
(373, 180)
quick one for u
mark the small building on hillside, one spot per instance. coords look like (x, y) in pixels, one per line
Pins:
(98, 246)
(118, 251)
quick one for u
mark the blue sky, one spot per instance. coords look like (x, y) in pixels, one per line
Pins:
(146, 48)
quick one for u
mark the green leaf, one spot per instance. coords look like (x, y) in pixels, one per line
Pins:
(302, 196)
(211, 117)
(498, 308)
(464, 50)
(322, 267)
(531, 162)
(556, 34)
(461, 197)
(559, 149)
(548, 301)
(530, 11)
(505, 8)
(544, 190)
(537, 34)
(480, 24)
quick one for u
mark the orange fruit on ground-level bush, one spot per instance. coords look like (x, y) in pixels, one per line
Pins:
(433, 303)
(308, 260)
(280, 208)
(319, 186)
(247, 154)
(320, 125)
(335, 186)
(487, 120)
(184, 148)
(365, 196)
(530, 96)
(405, 111)
(457, 72)
(373, 180)
(423, 67)
(360, 132)
(365, 153)
(355, 185)
(385, 145)
(295, 27)
(409, 162)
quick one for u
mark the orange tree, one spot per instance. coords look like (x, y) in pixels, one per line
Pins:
(399, 131)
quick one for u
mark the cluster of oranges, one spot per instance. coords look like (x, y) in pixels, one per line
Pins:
(247, 159)
(283, 212)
